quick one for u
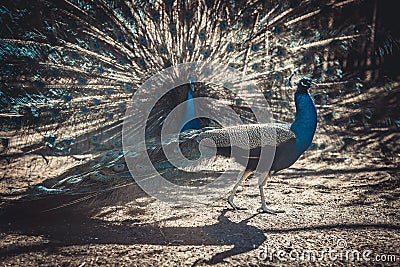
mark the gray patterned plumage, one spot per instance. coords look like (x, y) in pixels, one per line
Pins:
(248, 135)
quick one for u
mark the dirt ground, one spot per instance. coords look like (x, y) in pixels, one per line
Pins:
(345, 205)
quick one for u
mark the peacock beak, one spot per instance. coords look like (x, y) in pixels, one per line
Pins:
(314, 83)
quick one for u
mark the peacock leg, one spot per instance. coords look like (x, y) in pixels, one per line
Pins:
(263, 204)
(230, 198)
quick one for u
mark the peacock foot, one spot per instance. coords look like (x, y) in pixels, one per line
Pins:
(264, 209)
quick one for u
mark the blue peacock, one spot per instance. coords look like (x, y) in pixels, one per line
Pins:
(69, 67)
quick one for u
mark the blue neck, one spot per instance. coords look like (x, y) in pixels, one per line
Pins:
(305, 121)
(190, 112)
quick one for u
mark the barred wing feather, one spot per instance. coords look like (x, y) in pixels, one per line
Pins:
(248, 136)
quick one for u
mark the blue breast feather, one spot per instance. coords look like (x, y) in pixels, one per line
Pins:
(305, 122)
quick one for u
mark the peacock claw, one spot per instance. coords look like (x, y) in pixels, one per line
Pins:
(269, 211)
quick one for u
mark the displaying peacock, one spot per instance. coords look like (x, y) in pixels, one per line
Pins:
(70, 68)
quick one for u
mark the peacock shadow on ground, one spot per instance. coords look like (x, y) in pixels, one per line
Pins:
(69, 226)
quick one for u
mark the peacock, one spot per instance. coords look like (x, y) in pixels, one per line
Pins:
(289, 141)
(69, 69)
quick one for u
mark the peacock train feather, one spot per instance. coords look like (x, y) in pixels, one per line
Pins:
(68, 69)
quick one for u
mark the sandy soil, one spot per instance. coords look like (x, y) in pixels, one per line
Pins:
(347, 203)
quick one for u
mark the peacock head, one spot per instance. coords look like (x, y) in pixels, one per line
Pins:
(303, 85)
